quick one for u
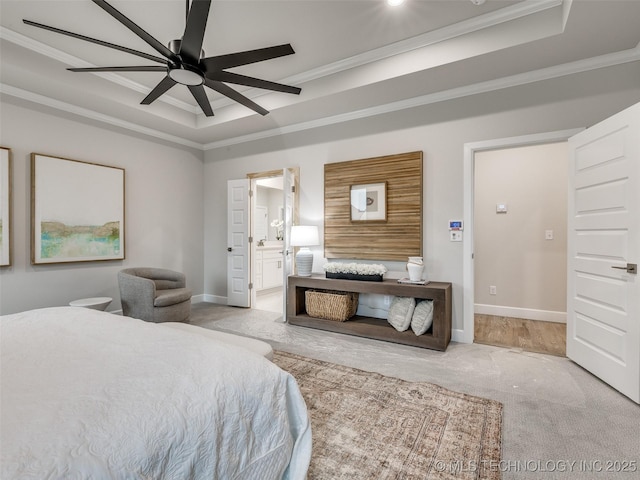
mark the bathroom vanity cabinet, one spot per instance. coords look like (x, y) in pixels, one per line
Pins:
(269, 267)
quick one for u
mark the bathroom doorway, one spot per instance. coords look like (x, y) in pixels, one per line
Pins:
(272, 214)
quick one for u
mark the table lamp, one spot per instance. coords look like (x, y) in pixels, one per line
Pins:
(304, 236)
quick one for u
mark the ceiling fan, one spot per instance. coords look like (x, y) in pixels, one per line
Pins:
(185, 63)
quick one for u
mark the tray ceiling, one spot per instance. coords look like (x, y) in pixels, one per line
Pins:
(353, 58)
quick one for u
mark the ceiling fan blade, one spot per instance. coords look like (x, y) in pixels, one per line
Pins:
(233, 95)
(201, 97)
(96, 41)
(194, 31)
(150, 68)
(236, 78)
(159, 47)
(230, 60)
(165, 84)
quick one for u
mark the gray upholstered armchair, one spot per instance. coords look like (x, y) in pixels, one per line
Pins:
(154, 294)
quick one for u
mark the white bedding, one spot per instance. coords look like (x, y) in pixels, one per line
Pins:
(91, 395)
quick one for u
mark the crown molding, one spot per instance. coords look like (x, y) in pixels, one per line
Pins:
(465, 27)
(519, 10)
(481, 22)
(594, 63)
(62, 57)
(86, 113)
(488, 20)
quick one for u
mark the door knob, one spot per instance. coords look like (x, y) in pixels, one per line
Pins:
(229, 249)
(630, 268)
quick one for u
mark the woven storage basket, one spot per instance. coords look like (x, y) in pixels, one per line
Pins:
(331, 304)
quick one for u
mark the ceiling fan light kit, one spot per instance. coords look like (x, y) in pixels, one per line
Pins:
(184, 76)
(184, 60)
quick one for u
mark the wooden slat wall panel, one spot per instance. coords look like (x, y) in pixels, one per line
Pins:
(400, 236)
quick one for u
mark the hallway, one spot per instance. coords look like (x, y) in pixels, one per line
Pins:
(529, 335)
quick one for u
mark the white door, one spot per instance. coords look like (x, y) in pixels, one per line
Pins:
(238, 243)
(603, 289)
(288, 189)
(261, 223)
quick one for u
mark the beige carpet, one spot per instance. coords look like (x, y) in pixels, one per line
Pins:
(368, 426)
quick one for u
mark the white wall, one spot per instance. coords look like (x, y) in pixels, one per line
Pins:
(510, 249)
(163, 209)
(165, 190)
(440, 131)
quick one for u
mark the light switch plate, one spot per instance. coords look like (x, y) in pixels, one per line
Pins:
(455, 235)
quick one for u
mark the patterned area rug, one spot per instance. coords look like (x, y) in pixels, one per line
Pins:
(368, 426)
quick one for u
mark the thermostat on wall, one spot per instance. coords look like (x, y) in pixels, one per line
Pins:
(456, 225)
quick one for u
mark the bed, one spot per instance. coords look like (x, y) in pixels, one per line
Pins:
(88, 394)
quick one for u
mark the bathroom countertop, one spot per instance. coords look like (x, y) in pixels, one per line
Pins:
(269, 245)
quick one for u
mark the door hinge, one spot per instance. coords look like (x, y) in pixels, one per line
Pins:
(250, 239)
(251, 286)
(250, 193)
(293, 189)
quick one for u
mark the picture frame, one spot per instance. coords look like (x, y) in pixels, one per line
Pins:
(77, 211)
(6, 182)
(368, 202)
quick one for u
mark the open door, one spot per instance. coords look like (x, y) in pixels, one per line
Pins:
(238, 243)
(603, 288)
(288, 191)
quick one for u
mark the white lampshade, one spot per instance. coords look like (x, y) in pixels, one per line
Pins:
(304, 236)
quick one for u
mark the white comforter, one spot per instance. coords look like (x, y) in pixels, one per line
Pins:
(90, 395)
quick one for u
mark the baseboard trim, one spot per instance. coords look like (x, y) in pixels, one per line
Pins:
(457, 335)
(526, 313)
(198, 298)
(212, 299)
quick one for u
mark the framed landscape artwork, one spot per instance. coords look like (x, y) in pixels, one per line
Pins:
(5, 207)
(77, 211)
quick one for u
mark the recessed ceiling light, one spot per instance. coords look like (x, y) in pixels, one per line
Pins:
(394, 3)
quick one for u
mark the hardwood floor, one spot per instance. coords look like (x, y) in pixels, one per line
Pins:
(529, 335)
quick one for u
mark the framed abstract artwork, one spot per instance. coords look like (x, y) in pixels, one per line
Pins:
(369, 202)
(77, 211)
(5, 207)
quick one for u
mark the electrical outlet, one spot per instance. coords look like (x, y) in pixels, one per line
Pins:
(548, 234)
(493, 290)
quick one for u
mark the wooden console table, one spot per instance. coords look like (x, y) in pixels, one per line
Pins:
(437, 337)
